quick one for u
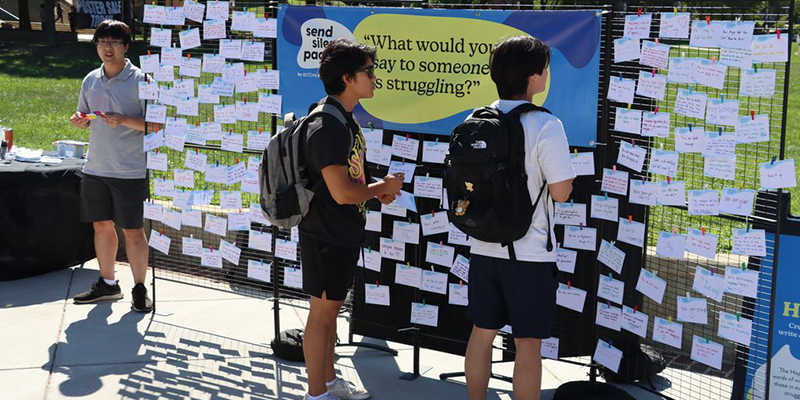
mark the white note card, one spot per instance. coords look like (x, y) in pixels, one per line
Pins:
(778, 174)
(634, 321)
(692, 309)
(611, 256)
(702, 243)
(604, 207)
(707, 352)
(566, 259)
(631, 232)
(735, 328)
(668, 332)
(709, 284)
(569, 214)
(581, 238)
(607, 355)
(610, 289)
(742, 282)
(570, 297)
(671, 245)
(650, 285)
(424, 314)
(750, 242)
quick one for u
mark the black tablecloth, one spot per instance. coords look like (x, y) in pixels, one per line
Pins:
(40, 230)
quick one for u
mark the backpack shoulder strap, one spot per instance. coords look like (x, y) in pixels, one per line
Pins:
(527, 107)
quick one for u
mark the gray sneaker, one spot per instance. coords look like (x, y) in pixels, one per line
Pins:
(346, 390)
(328, 396)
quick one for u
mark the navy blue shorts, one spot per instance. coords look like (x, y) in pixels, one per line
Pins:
(517, 293)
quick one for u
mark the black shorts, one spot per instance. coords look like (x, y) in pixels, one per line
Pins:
(120, 200)
(327, 268)
(517, 293)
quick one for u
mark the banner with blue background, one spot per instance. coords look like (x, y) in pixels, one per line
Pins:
(433, 65)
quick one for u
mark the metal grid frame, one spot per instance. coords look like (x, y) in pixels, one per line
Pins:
(737, 359)
(233, 278)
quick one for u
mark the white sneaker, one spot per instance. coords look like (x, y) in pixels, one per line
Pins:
(346, 390)
(327, 396)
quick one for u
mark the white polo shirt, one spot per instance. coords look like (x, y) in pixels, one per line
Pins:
(546, 157)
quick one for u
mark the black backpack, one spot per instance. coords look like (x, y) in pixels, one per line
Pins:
(485, 178)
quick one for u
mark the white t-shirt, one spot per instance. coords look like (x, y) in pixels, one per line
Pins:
(546, 157)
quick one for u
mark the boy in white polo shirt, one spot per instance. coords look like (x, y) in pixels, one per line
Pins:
(115, 183)
(520, 291)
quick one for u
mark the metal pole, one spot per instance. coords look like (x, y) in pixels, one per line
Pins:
(780, 210)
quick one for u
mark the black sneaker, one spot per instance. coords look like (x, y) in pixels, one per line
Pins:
(141, 302)
(100, 291)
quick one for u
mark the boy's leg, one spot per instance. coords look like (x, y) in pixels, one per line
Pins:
(528, 369)
(478, 362)
(106, 243)
(330, 371)
(136, 248)
(317, 341)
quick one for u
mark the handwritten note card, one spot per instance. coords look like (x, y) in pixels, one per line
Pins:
(709, 284)
(423, 314)
(634, 321)
(707, 352)
(614, 182)
(751, 242)
(702, 244)
(710, 73)
(607, 355)
(631, 156)
(703, 202)
(570, 297)
(569, 214)
(637, 26)
(671, 245)
(565, 260)
(674, 25)
(654, 54)
(735, 328)
(610, 256)
(722, 112)
(738, 202)
(655, 124)
(604, 207)
(626, 49)
(631, 232)
(680, 69)
(610, 289)
(629, 121)
(691, 104)
(667, 332)
(742, 282)
(778, 174)
(621, 90)
(759, 83)
(720, 167)
(580, 238)
(663, 162)
(643, 192)
(752, 129)
(692, 309)
(608, 316)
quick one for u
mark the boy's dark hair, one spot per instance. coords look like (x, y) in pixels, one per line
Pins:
(113, 29)
(514, 60)
(342, 57)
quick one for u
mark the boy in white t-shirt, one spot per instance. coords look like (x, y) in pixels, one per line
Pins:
(520, 292)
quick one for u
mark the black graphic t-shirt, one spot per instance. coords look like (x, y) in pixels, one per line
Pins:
(328, 144)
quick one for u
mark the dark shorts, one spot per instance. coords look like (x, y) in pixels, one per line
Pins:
(120, 200)
(517, 293)
(327, 268)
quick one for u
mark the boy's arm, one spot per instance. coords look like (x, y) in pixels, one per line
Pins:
(560, 191)
(345, 191)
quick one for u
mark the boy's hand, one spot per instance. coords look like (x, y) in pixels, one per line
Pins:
(113, 119)
(78, 121)
(386, 198)
(393, 183)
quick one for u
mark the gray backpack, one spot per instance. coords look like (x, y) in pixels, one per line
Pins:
(285, 197)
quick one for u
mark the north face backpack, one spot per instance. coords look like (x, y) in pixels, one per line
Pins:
(485, 177)
(283, 179)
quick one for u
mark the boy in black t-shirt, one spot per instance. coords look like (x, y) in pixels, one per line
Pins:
(332, 232)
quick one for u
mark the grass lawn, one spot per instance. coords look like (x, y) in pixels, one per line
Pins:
(39, 90)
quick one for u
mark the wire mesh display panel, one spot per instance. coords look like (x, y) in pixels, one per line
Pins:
(262, 261)
(692, 275)
(187, 194)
